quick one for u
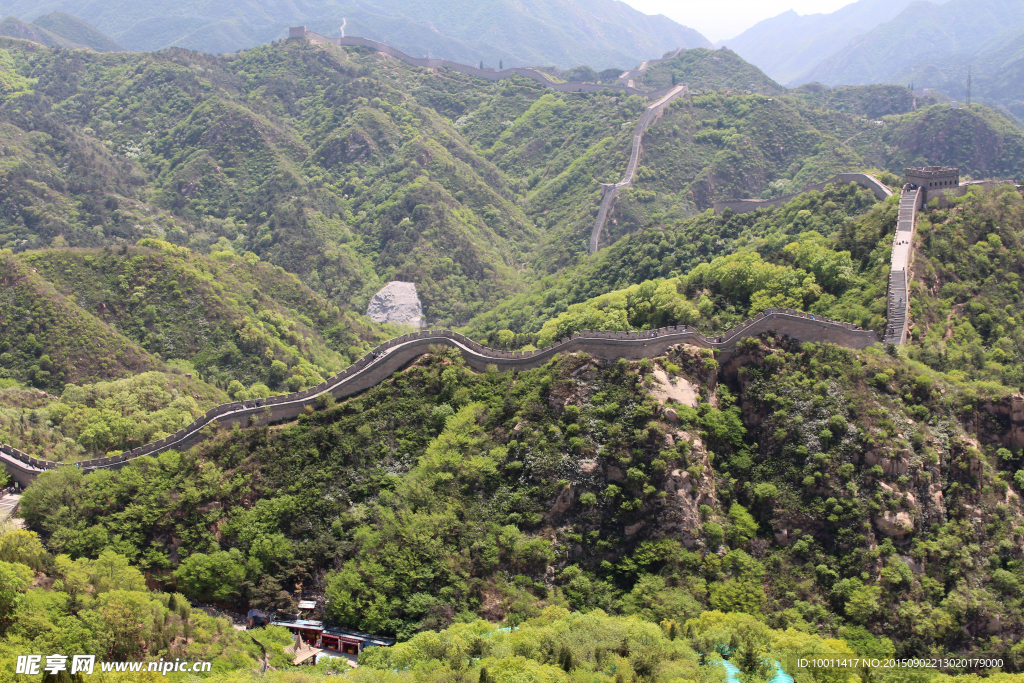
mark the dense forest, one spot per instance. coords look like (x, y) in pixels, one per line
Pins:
(350, 170)
(179, 230)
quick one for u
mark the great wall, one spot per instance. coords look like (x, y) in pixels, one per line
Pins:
(898, 304)
(489, 74)
(610, 191)
(866, 180)
(393, 355)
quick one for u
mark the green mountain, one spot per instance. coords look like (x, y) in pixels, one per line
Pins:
(180, 229)
(350, 170)
(15, 28)
(101, 314)
(933, 47)
(58, 29)
(76, 31)
(799, 486)
(711, 70)
(600, 33)
(75, 344)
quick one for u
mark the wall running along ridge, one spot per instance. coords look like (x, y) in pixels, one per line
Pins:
(610, 191)
(393, 355)
(872, 183)
(899, 272)
(487, 73)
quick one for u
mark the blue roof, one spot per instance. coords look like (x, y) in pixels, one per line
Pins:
(300, 623)
(359, 635)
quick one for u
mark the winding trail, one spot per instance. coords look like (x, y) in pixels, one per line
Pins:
(394, 355)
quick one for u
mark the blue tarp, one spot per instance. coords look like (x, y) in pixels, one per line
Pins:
(732, 670)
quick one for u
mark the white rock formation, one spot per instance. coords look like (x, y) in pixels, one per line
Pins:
(396, 303)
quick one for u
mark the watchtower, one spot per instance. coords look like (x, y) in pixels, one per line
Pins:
(933, 178)
(296, 31)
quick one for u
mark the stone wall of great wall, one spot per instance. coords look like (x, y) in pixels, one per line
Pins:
(898, 303)
(397, 353)
(489, 74)
(610, 191)
(872, 183)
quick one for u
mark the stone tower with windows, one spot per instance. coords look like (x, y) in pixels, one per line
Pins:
(933, 179)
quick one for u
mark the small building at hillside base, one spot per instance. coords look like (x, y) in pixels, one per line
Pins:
(328, 638)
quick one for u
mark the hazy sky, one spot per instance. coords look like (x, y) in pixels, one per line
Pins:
(722, 19)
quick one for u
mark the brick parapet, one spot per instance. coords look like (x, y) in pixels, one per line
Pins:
(866, 180)
(396, 353)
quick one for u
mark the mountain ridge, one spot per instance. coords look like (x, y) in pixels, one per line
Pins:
(566, 33)
(784, 45)
(934, 47)
(58, 29)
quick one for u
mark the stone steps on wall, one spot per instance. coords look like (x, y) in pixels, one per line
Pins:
(897, 308)
(898, 301)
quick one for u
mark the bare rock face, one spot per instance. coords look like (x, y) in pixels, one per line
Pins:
(898, 525)
(396, 303)
(564, 501)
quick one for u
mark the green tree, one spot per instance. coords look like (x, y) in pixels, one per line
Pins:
(15, 578)
(19, 545)
(864, 604)
(219, 576)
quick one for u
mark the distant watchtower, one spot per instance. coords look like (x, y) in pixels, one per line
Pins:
(296, 31)
(933, 178)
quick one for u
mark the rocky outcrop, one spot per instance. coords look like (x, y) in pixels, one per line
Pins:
(564, 501)
(688, 489)
(895, 524)
(396, 303)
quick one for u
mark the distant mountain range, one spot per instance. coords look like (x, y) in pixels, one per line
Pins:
(563, 33)
(924, 44)
(786, 46)
(58, 29)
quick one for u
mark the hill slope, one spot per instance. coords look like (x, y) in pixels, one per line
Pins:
(101, 314)
(46, 339)
(13, 27)
(75, 30)
(350, 169)
(600, 33)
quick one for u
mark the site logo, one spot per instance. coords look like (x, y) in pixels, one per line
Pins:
(32, 665)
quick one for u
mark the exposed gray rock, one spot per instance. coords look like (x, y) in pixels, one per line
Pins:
(398, 303)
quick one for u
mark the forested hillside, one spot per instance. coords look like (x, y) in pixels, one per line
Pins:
(179, 230)
(58, 29)
(814, 488)
(863, 495)
(349, 169)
